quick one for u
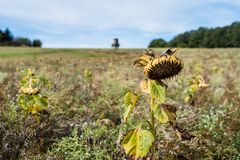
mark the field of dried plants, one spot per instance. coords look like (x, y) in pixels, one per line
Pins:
(85, 90)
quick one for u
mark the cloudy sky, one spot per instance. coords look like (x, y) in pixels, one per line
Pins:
(94, 23)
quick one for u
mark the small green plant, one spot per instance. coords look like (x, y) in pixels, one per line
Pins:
(87, 74)
(195, 84)
(140, 140)
(236, 141)
(30, 97)
(92, 141)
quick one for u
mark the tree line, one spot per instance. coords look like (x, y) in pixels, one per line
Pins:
(7, 39)
(219, 37)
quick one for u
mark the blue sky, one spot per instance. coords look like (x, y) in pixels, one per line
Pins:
(94, 23)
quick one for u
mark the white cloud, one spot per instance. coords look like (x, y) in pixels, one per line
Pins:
(145, 15)
(151, 17)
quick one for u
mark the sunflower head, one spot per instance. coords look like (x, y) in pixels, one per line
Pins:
(29, 90)
(163, 67)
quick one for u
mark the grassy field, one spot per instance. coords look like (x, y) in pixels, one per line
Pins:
(85, 110)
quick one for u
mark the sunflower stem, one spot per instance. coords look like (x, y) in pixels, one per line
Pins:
(152, 127)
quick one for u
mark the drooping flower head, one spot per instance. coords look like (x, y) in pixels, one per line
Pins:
(165, 66)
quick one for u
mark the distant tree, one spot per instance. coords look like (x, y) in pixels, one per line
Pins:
(7, 35)
(156, 43)
(21, 41)
(208, 41)
(235, 34)
(228, 36)
(182, 40)
(7, 39)
(196, 38)
(1, 35)
(37, 43)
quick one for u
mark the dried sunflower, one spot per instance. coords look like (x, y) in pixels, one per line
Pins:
(165, 66)
(29, 90)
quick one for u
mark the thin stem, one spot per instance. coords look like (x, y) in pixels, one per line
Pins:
(30, 82)
(152, 116)
(152, 126)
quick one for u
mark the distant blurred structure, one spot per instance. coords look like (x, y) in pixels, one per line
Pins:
(115, 43)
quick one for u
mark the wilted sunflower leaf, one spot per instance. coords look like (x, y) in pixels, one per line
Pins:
(37, 108)
(193, 88)
(157, 91)
(22, 101)
(130, 100)
(160, 114)
(165, 113)
(137, 142)
(44, 100)
(187, 99)
(144, 86)
(142, 61)
(201, 82)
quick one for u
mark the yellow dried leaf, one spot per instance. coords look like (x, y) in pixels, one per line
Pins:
(137, 142)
